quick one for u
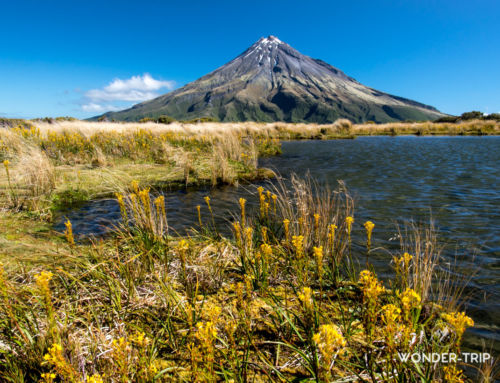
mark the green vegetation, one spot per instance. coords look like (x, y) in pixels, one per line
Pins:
(474, 115)
(461, 128)
(280, 301)
(169, 120)
(15, 122)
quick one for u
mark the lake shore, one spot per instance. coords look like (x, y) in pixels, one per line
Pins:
(157, 304)
(67, 162)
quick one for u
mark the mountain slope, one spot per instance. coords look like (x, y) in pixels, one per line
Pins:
(271, 81)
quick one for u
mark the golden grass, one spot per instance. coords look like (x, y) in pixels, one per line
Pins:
(211, 129)
(282, 130)
(70, 161)
(471, 127)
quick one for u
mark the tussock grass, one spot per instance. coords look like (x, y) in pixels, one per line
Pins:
(64, 162)
(184, 153)
(277, 302)
(469, 127)
(342, 128)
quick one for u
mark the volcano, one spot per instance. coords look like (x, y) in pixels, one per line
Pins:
(271, 81)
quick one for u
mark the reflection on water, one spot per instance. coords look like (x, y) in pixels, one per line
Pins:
(456, 180)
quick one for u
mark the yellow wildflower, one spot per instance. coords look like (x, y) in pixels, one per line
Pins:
(96, 378)
(248, 236)
(48, 377)
(318, 254)
(237, 231)
(306, 297)
(61, 366)
(459, 321)
(140, 339)
(349, 220)
(242, 206)
(183, 245)
(266, 209)
(409, 299)
(266, 249)
(329, 340)
(452, 374)
(198, 209)
(390, 317)
(274, 198)
(207, 201)
(69, 232)
(316, 220)
(211, 311)
(207, 332)
(369, 225)
(262, 202)
(298, 243)
(121, 350)
(263, 231)
(403, 260)
(43, 279)
(286, 225)
(123, 208)
(260, 189)
(331, 235)
(146, 201)
(390, 314)
(135, 186)
(371, 287)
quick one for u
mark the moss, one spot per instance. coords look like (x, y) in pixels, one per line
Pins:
(26, 242)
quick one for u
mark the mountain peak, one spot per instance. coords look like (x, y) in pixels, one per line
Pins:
(271, 81)
(270, 40)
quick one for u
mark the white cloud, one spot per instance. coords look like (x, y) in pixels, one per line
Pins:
(93, 107)
(134, 89)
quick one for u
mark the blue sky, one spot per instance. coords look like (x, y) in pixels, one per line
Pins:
(80, 58)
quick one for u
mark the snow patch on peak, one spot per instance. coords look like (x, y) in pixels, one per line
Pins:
(270, 40)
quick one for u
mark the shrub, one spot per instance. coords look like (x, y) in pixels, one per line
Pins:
(165, 120)
(471, 115)
(450, 119)
(492, 116)
(201, 119)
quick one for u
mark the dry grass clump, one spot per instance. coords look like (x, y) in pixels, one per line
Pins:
(341, 128)
(39, 175)
(470, 127)
(277, 302)
(42, 158)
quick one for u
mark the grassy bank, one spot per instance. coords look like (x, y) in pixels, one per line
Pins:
(282, 300)
(55, 165)
(462, 128)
